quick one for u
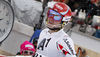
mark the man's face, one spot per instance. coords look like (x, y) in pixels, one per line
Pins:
(54, 19)
(52, 23)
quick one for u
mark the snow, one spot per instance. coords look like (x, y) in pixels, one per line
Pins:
(27, 4)
(27, 11)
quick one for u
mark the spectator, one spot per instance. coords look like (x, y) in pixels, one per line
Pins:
(97, 34)
(35, 40)
(26, 49)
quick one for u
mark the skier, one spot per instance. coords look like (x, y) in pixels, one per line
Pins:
(53, 41)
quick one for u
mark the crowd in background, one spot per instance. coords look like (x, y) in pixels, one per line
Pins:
(90, 8)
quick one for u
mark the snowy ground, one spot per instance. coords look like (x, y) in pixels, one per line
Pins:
(27, 11)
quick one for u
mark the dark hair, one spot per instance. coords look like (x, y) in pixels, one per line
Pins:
(35, 40)
(18, 53)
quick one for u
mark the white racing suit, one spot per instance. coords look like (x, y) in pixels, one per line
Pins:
(57, 44)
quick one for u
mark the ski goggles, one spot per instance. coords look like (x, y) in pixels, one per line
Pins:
(28, 52)
(55, 15)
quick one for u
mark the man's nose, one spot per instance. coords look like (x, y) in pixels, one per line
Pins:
(51, 20)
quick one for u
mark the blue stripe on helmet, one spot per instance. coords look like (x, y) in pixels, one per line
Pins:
(63, 13)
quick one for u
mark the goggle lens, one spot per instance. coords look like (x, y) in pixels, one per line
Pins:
(56, 16)
(26, 52)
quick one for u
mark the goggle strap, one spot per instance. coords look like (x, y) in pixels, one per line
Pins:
(46, 18)
(63, 24)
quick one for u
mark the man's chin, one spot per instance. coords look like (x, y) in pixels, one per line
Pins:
(54, 28)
